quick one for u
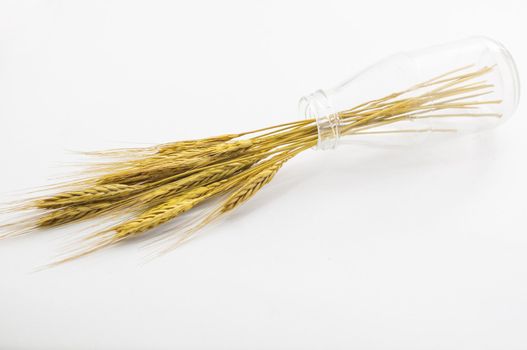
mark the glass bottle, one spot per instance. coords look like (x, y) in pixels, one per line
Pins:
(477, 76)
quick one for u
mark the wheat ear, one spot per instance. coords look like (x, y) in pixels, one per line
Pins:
(88, 195)
(70, 214)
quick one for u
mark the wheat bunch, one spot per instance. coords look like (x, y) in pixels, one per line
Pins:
(155, 185)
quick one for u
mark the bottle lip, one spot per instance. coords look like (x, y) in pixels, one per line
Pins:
(317, 106)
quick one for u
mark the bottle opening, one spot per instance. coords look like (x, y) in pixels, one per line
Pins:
(317, 106)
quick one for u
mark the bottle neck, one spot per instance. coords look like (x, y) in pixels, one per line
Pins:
(317, 106)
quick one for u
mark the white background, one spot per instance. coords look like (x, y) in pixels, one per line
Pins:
(422, 248)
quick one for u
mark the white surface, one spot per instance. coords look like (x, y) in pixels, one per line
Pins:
(417, 249)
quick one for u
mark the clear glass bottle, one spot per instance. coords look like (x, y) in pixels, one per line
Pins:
(489, 104)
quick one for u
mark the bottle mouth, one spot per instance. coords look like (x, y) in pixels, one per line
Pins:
(318, 107)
